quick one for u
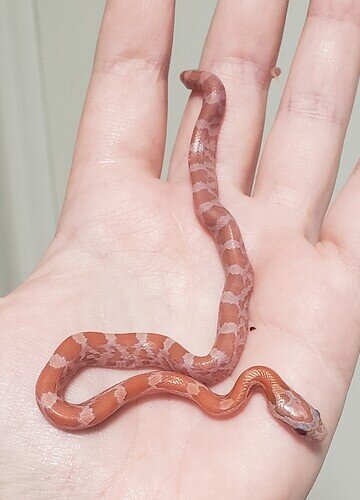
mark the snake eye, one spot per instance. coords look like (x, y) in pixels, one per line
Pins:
(317, 413)
(300, 431)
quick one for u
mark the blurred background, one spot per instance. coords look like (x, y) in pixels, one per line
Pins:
(46, 51)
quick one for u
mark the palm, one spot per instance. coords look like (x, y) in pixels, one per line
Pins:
(131, 256)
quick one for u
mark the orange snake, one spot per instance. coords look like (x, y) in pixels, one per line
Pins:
(182, 373)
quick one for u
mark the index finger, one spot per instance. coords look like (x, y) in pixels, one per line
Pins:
(124, 115)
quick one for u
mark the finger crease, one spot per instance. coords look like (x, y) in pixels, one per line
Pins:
(130, 67)
(243, 70)
(340, 17)
(313, 105)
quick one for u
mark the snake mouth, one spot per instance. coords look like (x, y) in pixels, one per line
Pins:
(319, 434)
(315, 432)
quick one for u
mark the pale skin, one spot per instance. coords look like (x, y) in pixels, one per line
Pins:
(129, 255)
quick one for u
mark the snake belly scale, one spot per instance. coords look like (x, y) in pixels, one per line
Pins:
(179, 371)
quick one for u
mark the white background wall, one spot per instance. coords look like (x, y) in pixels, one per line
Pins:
(46, 51)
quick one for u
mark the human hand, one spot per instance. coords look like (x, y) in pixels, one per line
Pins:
(129, 255)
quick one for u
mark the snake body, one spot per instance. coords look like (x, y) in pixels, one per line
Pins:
(182, 373)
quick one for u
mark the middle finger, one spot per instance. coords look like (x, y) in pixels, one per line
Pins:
(241, 48)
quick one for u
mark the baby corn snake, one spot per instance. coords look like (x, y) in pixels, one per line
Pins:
(182, 373)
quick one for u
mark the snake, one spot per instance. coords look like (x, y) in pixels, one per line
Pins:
(178, 371)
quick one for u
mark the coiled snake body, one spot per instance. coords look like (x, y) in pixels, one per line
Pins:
(182, 373)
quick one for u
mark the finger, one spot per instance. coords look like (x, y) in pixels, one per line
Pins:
(124, 117)
(241, 48)
(342, 225)
(300, 161)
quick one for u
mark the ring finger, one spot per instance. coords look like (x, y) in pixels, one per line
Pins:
(299, 166)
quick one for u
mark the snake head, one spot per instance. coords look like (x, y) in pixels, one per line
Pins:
(292, 409)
